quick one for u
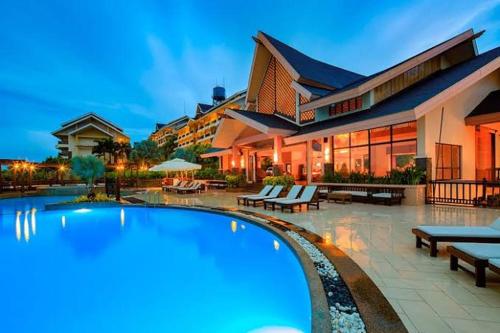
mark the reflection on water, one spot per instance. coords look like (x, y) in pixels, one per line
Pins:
(18, 225)
(234, 226)
(276, 245)
(122, 217)
(26, 227)
(33, 221)
(63, 221)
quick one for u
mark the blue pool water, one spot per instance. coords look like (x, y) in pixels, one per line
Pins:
(11, 205)
(137, 269)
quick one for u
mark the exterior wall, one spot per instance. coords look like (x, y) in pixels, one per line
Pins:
(276, 93)
(81, 142)
(454, 129)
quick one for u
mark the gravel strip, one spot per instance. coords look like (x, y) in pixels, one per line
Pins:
(344, 315)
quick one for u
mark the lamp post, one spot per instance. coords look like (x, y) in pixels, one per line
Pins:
(60, 172)
(15, 167)
(120, 167)
(31, 168)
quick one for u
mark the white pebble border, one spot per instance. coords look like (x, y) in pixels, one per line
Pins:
(344, 318)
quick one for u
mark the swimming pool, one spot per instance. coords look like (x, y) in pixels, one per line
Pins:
(133, 269)
(11, 205)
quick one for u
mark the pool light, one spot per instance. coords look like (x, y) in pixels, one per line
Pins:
(83, 210)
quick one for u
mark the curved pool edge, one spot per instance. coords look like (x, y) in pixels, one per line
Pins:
(377, 313)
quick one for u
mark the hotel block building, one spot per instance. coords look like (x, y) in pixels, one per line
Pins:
(438, 109)
(77, 137)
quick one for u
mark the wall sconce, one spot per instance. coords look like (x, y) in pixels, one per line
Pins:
(233, 164)
(327, 155)
(242, 162)
(275, 157)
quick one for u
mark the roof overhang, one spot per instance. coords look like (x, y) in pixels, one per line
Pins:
(395, 118)
(487, 112)
(70, 123)
(234, 123)
(217, 153)
(391, 73)
(77, 130)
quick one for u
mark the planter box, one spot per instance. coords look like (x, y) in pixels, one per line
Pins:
(414, 194)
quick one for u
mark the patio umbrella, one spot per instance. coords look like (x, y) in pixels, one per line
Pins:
(176, 165)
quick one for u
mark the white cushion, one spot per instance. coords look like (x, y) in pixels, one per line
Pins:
(479, 250)
(359, 193)
(496, 224)
(494, 262)
(460, 231)
(382, 195)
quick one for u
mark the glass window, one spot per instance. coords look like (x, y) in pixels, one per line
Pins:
(448, 159)
(341, 160)
(360, 159)
(403, 154)
(380, 164)
(341, 140)
(359, 138)
(381, 134)
(404, 131)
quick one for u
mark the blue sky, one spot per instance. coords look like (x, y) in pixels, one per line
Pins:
(138, 62)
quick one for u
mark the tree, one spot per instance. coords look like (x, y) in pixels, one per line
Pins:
(169, 146)
(193, 154)
(88, 168)
(105, 148)
(146, 152)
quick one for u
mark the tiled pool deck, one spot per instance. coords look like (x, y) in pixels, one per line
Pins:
(424, 292)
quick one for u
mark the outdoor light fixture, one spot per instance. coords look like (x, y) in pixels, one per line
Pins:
(242, 162)
(327, 155)
(120, 167)
(275, 157)
(233, 164)
(62, 168)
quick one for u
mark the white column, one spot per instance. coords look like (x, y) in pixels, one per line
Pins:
(309, 153)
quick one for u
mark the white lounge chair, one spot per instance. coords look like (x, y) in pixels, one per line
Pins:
(308, 197)
(292, 194)
(478, 255)
(434, 234)
(275, 192)
(264, 191)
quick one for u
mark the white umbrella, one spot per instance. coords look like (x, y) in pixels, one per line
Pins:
(177, 164)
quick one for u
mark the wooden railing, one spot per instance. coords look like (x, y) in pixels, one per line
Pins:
(464, 193)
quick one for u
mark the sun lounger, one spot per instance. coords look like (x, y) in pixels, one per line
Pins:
(292, 194)
(309, 197)
(195, 187)
(494, 265)
(175, 183)
(275, 192)
(435, 234)
(475, 254)
(265, 191)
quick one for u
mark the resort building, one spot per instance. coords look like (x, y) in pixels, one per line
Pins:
(202, 127)
(163, 131)
(438, 109)
(77, 137)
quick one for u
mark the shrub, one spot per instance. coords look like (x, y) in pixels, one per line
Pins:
(286, 180)
(209, 173)
(88, 168)
(408, 176)
(99, 197)
(234, 181)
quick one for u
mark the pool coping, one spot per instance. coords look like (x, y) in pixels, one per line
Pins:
(377, 313)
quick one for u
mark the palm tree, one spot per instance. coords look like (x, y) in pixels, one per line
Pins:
(89, 168)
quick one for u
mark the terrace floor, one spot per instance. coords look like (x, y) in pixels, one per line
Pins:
(424, 292)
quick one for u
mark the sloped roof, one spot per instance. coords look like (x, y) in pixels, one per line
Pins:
(204, 107)
(93, 115)
(491, 104)
(411, 97)
(269, 120)
(468, 35)
(313, 69)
